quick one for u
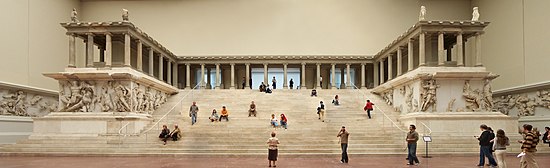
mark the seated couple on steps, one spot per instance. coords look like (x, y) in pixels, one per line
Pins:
(165, 133)
(275, 122)
(224, 114)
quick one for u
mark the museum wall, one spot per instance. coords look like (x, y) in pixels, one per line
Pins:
(32, 40)
(238, 27)
(516, 42)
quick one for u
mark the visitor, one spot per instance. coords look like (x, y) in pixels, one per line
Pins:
(485, 147)
(268, 89)
(273, 143)
(252, 110)
(528, 147)
(368, 107)
(284, 121)
(225, 114)
(193, 110)
(321, 81)
(164, 134)
(291, 83)
(250, 83)
(244, 82)
(499, 146)
(335, 101)
(274, 121)
(344, 134)
(176, 133)
(546, 136)
(262, 87)
(274, 81)
(313, 93)
(214, 116)
(412, 138)
(321, 111)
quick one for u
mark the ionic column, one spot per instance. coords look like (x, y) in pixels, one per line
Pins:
(140, 56)
(247, 83)
(169, 72)
(285, 79)
(188, 76)
(209, 79)
(202, 77)
(342, 78)
(161, 69)
(478, 50)
(90, 50)
(363, 76)
(459, 50)
(72, 51)
(333, 77)
(422, 49)
(232, 76)
(303, 80)
(399, 62)
(151, 61)
(348, 79)
(390, 67)
(175, 75)
(381, 71)
(318, 77)
(108, 50)
(376, 74)
(410, 57)
(217, 84)
(127, 55)
(265, 74)
(440, 49)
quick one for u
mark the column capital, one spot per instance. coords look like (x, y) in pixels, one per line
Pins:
(411, 39)
(285, 64)
(108, 33)
(247, 64)
(188, 64)
(265, 64)
(202, 64)
(400, 47)
(217, 64)
(138, 40)
(348, 64)
(303, 63)
(332, 64)
(318, 64)
(363, 64)
(440, 32)
(232, 64)
(459, 33)
(89, 34)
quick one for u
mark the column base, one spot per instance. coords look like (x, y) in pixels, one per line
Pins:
(232, 87)
(303, 87)
(188, 87)
(285, 87)
(333, 88)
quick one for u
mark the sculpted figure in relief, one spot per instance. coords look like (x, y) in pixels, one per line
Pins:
(409, 99)
(121, 101)
(487, 95)
(475, 14)
(106, 102)
(124, 15)
(388, 96)
(429, 95)
(74, 16)
(422, 15)
(138, 99)
(450, 105)
(473, 98)
(525, 106)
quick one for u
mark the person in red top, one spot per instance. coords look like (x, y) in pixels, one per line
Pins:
(368, 107)
(283, 121)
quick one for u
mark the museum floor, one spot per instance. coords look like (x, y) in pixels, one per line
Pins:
(243, 162)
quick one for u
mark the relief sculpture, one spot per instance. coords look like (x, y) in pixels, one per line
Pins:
(429, 94)
(525, 105)
(20, 103)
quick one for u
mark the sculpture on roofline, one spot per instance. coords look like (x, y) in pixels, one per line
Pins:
(422, 13)
(74, 15)
(125, 15)
(475, 14)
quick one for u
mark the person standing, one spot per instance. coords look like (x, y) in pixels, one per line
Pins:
(344, 134)
(528, 147)
(546, 136)
(321, 81)
(368, 107)
(291, 83)
(321, 110)
(499, 146)
(274, 81)
(252, 110)
(193, 110)
(412, 138)
(244, 82)
(272, 150)
(485, 147)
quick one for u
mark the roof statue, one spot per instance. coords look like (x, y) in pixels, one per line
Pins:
(475, 14)
(422, 13)
(125, 15)
(74, 16)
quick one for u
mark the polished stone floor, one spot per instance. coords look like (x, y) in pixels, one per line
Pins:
(245, 162)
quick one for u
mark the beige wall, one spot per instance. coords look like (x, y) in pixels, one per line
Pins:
(516, 42)
(206, 27)
(32, 40)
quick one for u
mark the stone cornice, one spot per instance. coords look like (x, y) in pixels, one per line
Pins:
(276, 59)
(523, 88)
(432, 26)
(28, 89)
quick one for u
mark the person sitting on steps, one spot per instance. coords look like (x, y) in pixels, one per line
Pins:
(262, 87)
(313, 93)
(252, 110)
(225, 114)
(164, 134)
(335, 101)
(214, 116)
(268, 89)
(274, 121)
(176, 133)
(284, 121)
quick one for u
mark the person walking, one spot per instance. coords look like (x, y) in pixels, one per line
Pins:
(528, 147)
(272, 150)
(291, 83)
(274, 81)
(193, 110)
(344, 135)
(412, 138)
(499, 146)
(321, 111)
(368, 107)
(485, 147)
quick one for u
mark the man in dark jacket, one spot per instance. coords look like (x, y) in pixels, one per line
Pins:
(485, 146)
